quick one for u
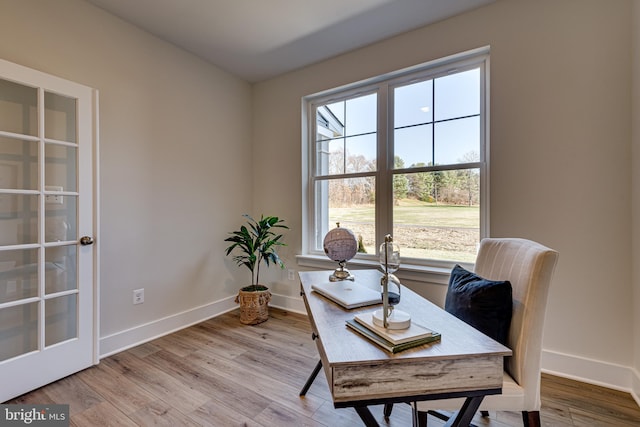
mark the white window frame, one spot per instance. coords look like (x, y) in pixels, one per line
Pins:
(415, 269)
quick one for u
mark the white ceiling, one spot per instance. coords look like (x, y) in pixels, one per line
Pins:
(259, 39)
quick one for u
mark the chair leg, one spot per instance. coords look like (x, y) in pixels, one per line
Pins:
(419, 417)
(441, 415)
(388, 407)
(446, 416)
(531, 418)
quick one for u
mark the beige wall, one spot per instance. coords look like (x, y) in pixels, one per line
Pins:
(635, 119)
(560, 151)
(173, 135)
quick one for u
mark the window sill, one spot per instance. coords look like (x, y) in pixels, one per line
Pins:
(409, 272)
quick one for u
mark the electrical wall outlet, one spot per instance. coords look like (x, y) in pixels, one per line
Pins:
(138, 296)
(291, 275)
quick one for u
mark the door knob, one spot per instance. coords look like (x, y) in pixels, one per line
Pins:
(86, 240)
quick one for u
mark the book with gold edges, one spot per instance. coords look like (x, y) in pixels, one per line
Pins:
(387, 345)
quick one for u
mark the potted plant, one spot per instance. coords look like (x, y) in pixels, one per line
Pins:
(254, 244)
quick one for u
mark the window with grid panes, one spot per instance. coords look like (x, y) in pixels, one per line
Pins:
(403, 154)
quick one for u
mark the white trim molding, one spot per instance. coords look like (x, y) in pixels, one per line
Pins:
(635, 385)
(591, 371)
(288, 303)
(123, 340)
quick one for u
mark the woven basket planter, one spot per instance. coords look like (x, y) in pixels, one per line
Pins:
(254, 306)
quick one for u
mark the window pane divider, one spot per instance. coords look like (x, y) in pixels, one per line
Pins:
(59, 142)
(60, 294)
(345, 176)
(435, 122)
(23, 301)
(437, 168)
(338, 138)
(40, 224)
(14, 191)
(19, 136)
(59, 243)
(20, 246)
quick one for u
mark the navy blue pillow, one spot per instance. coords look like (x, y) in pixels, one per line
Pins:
(484, 304)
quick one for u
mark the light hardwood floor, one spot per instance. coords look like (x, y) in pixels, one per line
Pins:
(222, 373)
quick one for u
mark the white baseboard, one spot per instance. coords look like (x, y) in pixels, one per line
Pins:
(137, 335)
(590, 371)
(140, 334)
(635, 386)
(289, 303)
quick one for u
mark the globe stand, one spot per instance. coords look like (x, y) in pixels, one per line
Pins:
(340, 245)
(341, 273)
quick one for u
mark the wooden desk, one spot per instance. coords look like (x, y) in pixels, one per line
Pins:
(464, 363)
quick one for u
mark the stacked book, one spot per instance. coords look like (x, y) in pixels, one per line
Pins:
(393, 340)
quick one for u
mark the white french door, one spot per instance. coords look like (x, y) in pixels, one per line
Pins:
(47, 319)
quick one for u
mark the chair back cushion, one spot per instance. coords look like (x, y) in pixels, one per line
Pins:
(528, 266)
(484, 304)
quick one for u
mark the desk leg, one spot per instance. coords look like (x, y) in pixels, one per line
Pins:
(312, 377)
(466, 413)
(366, 416)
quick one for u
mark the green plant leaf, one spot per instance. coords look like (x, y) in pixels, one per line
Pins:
(257, 243)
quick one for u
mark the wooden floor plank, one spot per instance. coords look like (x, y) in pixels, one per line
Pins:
(215, 413)
(265, 384)
(222, 373)
(277, 415)
(118, 390)
(73, 391)
(36, 397)
(592, 399)
(225, 390)
(161, 413)
(102, 414)
(345, 417)
(157, 382)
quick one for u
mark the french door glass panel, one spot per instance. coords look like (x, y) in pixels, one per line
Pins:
(60, 269)
(59, 117)
(18, 275)
(19, 163)
(18, 106)
(61, 319)
(38, 219)
(18, 330)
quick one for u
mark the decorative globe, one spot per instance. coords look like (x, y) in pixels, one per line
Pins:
(340, 244)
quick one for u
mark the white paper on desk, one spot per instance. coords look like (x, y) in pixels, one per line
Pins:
(348, 294)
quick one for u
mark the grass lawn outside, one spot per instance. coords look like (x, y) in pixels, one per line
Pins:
(423, 230)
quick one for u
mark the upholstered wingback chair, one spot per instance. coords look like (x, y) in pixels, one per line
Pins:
(528, 266)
